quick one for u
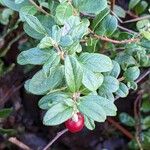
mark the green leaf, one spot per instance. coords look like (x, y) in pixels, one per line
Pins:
(132, 73)
(19, 1)
(27, 10)
(88, 6)
(109, 85)
(53, 61)
(9, 132)
(115, 70)
(132, 85)
(41, 83)
(89, 123)
(141, 7)
(96, 62)
(92, 81)
(46, 42)
(133, 3)
(57, 114)
(56, 33)
(107, 26)
(51, 99)
(119, 11)
(35, 24)
(73, 73)
(34, 56)
(123, 90)
(66, 41)
(99, 18)
(127, 120)
(80, 30)
(63, 12)
(96, 107)
(145, 105)
(11, 4)
(5, 112)
(146, 122)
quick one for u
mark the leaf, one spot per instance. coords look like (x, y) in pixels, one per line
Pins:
(34, 56)
(89, 123)
(11, 4)
(53, 61)
(146, 122)
(56, 33)
(9, 132)
(132, 73)
(133, 3)
(96, 62)
(19, 1)
(99, 18)
(123, 90)
(5, 112)
(92, 81)
(73, 73)
(109, 85)
(96, 107)
(35, 24)
(51, 99)
(66, 41)
(145, 105)
(46, 42)
(40, 83)
(107, 26)
(119, 11)
(127, 120)
(88, 6)
(132, 85)
(63, 12)
(80, 30)
(27, 10)
(57, 114)
(115, 70)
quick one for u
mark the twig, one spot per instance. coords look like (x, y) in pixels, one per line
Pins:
(137, 19)
(116, 16)
(128, 30)
(59, 134)
(21, 145)
(119, 127)
(137, 116)
(39, 8)
(112, 4)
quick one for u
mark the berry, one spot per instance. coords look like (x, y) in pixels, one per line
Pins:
(76, 123)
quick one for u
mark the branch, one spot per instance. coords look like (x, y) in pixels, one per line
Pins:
(132, 40)
(39, 8)
(137, 116)
(128, 30)
(59, 134)
(19, 143)
(137, 19)
(119, 127)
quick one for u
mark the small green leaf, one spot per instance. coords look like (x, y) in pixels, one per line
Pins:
(27, 10)
(89, 123)
(123, 90)
(133, 3)
(40, 83)
(115, 70)
(119, 11)
(100, 17)
(132, 73)
(57, 114)
(145, 105)
(96, 62)
(63, 12)
(109, 85)
(88, 6)
(5, 112)
(96, 107)
(19, 1)
(92, 81)
(146, 122)
(34, 56)
(132, 85)
(49, 100)
(73, 73)
(127, 120)
(35, 24)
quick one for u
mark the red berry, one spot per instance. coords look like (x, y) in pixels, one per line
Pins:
(75, 125)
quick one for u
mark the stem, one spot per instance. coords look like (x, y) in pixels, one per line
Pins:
(119, 127)
(137, 116)
(128, 30)
(137, 19)
(21, 145)
(39, 8)
(114, 41)
(59, 134)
